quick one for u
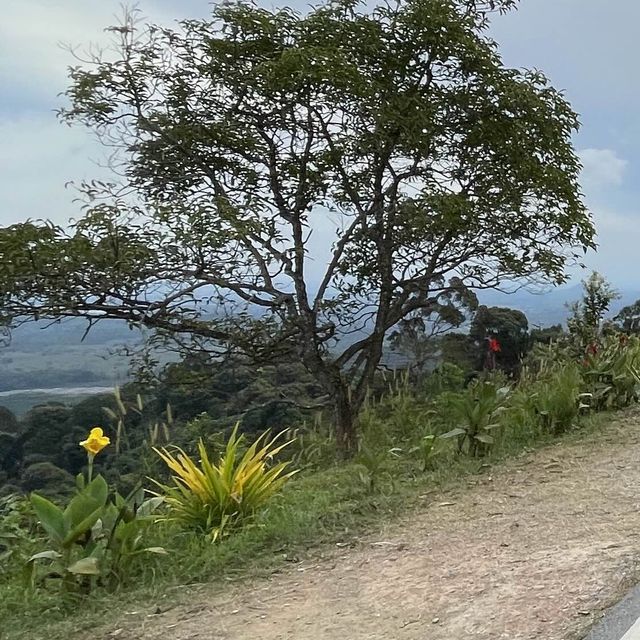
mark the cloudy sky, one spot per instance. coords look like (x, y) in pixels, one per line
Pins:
(585, 46)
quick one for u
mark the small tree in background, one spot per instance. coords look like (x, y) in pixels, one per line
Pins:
(419, 336)
(628, 320)
(509, 327)
(587, 319)
(285, 179)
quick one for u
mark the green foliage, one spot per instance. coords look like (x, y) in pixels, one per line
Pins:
(628, 319)
(92, 540)
(415, 336)
(374, 100)
(428, 449)
(586, 321)
(611, 371)
(44, 428)
(372, 465)
(17, 535)
(216, 498)
(547, 335)
(47, 478)
(312, 447)
(478, 410)
(509, 326)
(460, 350)
(446, 377)
(558, 398)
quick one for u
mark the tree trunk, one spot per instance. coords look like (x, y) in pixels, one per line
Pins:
(345, 415)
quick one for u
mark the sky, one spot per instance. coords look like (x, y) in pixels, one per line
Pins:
(588, 48)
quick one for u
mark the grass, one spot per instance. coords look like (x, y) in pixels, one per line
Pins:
(316, 509)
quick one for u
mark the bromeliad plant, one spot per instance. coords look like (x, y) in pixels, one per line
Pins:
(93, 539)
(219, 497)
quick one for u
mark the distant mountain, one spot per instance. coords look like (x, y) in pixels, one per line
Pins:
(551, 307)
(542, 309)
(70, 331)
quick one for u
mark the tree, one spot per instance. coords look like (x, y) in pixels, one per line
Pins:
(46, 478)
(8, 421)
(629, 318)
(586, 322)
(547, 335)
(511, 329)
(45, 429)
(416, 336)
(285, 179)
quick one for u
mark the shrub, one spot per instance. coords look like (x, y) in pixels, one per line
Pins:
(16, 535)
(216, 498)
(45, 476)
(557, 397)
(611, 371)
(447, 377)
(93, 539)
(477, 411)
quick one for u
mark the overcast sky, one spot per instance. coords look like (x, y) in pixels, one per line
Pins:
(589, 48)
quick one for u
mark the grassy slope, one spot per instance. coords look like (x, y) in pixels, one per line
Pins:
(316, 509)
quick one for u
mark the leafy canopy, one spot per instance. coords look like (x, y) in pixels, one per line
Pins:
(284, 178)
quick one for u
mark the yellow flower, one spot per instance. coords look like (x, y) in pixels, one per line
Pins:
(96, 441)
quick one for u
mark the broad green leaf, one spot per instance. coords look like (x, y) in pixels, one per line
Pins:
(454, 433)
(50, 516)
(148, 507)
(98, 489)
(80, 515)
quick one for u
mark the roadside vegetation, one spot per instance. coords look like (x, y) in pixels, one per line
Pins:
(228, 503)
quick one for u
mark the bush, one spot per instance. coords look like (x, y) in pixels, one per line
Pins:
(477, 411)
(46, 477)
(611, 370)
(216, 498)
(94, 539)
(447, 377)
(16, 535)
(557, 398)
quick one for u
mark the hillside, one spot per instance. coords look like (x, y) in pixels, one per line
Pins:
(533, 548)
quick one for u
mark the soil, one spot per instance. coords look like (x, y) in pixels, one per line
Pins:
(534, 548)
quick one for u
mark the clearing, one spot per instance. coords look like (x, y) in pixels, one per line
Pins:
(534, 548)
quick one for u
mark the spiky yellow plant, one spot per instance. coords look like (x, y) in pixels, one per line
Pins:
(216, 497)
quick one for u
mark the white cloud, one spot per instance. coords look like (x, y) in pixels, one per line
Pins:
(38, 156)
(33, 63)
(618, 240)
(602, 168)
